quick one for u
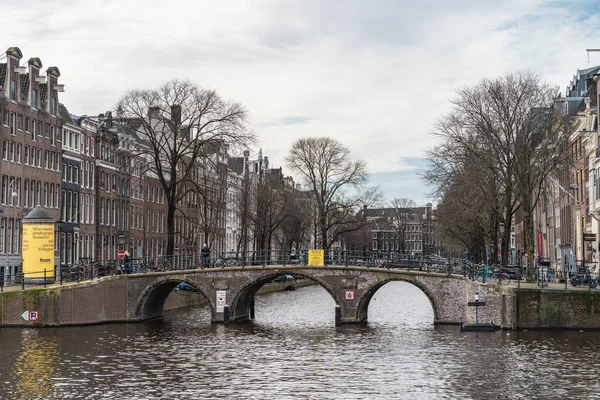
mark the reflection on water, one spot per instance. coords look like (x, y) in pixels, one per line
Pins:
(294, 350)
(35, 366)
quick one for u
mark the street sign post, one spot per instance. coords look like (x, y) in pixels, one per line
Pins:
(31, 315)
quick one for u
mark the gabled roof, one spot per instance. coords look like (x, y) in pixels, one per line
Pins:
(63, 113)
(24, 85)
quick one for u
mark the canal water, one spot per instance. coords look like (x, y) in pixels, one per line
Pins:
(293, 350)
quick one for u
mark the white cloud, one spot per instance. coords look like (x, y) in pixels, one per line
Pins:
(375, 75)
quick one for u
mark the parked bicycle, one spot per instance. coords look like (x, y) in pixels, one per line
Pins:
(493, 276)
(584, 277)
(223, 261)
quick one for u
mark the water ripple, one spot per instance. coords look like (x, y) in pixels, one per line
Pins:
(293, 350)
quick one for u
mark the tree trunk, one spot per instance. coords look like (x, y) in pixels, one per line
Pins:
(527, 222)
(171, 227)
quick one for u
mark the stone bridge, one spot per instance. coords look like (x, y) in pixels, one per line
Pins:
(230, 293)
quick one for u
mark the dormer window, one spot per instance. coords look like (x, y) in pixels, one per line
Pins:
(13, 90)
(34, 99)
(53, 106)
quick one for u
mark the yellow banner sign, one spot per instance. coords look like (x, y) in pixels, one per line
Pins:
(38, 250)
(316, 257)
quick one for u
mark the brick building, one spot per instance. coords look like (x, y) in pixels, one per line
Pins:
(31, 161)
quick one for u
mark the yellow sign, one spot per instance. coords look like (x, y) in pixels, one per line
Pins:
(38, 250)
(316, 257)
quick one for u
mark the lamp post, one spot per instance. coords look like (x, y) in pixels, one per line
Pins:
(575, 204)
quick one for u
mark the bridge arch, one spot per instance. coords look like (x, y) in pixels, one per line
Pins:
(242, 306)
(151, 301)
(365, 300)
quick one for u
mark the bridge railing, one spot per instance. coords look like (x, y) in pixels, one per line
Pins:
(87, 270)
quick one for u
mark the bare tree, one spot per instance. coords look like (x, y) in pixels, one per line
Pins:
(271, 209)
(295, 228)
(510, 127)
(338, 184)
(401, 209)
(179, 123)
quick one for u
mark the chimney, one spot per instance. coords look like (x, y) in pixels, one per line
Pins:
(176, 114)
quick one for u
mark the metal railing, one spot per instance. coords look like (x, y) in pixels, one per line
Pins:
(86, 270)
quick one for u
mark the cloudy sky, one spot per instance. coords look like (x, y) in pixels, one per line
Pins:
(374, 74)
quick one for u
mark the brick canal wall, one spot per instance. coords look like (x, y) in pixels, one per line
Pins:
(508, 307)
(557, 309)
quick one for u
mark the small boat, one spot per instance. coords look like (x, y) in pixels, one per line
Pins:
(478, 327)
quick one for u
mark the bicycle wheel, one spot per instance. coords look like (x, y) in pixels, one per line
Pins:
(492, 278)
(232, 262)
(479, 277)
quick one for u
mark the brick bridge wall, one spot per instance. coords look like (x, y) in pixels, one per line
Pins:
(141, 297)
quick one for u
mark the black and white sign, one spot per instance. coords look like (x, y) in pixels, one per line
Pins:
(349, 295)
(221, 300)
(31, 315)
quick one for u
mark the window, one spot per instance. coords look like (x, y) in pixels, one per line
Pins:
(20, 122)
(13, 123)
(5, 118)
(47, 130)
(4, 188)
(101, 210)
(9, 236)
(13, 90)
(12, 151)
(46, 159)
(83, 209)
(374, 244)
(19, 153)
(5, 149)
(52, 135)
(53, 106)
(34, 99)
(2, 235)
(64, 206)
(27, 122)
(26, 192)
(33, 129)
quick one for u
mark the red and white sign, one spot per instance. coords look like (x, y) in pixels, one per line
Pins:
(31, 315)
(121, 254)
(349, 295)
